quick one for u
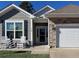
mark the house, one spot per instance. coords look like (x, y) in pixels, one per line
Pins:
(22, 27)
(54, 28)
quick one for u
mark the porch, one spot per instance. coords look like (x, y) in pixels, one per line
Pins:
(40, 31)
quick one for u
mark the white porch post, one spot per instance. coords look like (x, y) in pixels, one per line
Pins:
(31, 32)
(23, 28)
(5, 30)
(48, 35)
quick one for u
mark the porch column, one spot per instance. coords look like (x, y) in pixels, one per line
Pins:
(31, 32)
(48, 34)
(5, 30)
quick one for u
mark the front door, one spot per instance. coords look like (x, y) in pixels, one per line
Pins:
(42, 34)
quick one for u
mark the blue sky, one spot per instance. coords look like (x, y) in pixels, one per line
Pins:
(39, 4)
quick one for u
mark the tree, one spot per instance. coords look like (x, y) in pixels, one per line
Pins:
(26, 5)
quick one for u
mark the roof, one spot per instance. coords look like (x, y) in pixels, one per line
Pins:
(7, 9)
(44, 10)
(67, 11)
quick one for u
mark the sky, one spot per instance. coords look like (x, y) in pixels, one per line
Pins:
(40, 4)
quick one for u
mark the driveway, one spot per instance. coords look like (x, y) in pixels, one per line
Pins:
(64, 53)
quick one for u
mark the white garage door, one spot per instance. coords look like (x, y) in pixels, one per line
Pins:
(68, 37)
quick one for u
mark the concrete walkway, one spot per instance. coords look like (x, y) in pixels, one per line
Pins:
(64, 53)
(40, 49)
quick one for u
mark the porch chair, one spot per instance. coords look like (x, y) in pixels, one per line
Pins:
(24, 43)
(10, 45)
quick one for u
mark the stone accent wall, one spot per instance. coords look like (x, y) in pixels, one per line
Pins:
(52, 34)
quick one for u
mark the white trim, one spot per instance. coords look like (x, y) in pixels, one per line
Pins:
(44, 8)
(13, 5)
(48, 34)
(31, 32)
(14, 20)
(23, 28)
(5, 31)
(14, 30)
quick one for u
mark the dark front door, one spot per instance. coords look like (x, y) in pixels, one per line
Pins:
(42, 34)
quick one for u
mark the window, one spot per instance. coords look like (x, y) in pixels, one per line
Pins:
(18, 30)
(10, 26)
(9, 33)
(14, 29)
(18, 34)
(10, 30)
(18, 26)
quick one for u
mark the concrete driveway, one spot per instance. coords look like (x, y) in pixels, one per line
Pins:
(64, 53)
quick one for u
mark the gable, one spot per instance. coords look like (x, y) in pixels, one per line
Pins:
(14, 14)
(43, 11)
(11, 7)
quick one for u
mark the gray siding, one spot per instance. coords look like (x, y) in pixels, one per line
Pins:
(1, 36)
(20, 15)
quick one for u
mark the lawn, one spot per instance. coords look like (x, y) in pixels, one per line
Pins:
(21, 54)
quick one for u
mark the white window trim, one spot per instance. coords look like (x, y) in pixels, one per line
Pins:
(14, 21)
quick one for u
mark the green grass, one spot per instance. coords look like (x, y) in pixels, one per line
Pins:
(21, 54)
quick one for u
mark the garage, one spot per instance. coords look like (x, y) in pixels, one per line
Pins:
(67, 35)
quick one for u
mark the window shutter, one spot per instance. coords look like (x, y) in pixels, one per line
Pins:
(3, 29)
(26, 29)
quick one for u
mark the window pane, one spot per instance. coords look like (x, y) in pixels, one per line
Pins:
(42, 31)
(42, 38)
(10, 34)
(10, 26)
(18, 34)
(18, 26)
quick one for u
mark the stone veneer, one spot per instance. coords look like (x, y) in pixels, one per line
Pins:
(52, 34)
